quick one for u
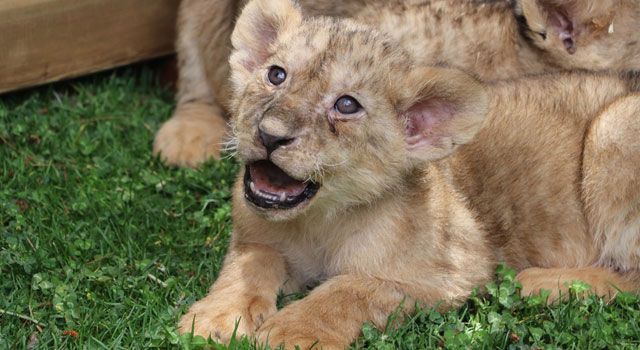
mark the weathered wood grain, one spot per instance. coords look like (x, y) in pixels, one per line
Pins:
(47, 40)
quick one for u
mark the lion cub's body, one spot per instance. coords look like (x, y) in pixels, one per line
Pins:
(422, 191)
(482, 37)
(524, 177)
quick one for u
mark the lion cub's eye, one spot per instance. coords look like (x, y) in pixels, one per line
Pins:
(277, 75)
(347, 105)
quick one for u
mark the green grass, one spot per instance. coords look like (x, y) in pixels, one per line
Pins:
(105, 247)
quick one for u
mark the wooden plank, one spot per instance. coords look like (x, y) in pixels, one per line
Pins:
(47, 40)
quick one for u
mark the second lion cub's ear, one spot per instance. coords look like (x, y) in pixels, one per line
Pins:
(566, 23)
(441, 109)
(257, 29)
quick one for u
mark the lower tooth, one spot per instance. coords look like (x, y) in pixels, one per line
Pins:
(283, 197)
(267, 196)
(252, 186)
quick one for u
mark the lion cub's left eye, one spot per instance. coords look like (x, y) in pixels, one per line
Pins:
(277, 75)
(347, 105)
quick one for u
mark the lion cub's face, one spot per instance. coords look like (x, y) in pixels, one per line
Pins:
(329, 114)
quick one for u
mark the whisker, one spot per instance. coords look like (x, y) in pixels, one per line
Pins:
(230, 146)
(344, 161)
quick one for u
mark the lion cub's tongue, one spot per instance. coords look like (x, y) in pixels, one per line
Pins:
(267, 177)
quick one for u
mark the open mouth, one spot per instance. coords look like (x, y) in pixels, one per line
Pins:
(267, 186)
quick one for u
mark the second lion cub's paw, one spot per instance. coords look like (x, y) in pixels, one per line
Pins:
(194, 134)
(218, 318)
(603, 282)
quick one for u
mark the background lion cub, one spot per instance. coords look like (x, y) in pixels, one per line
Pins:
(389, 182)
(482, 37)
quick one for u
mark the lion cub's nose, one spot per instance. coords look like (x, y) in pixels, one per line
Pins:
(273, 135)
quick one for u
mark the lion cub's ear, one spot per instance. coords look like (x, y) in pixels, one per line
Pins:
(257, 29)
(569, 21)
(442, 109)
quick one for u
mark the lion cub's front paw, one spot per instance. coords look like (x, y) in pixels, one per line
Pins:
(296, 330)
(194, 134)
(218, 318)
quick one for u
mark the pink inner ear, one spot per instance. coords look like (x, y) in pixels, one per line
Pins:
(426, 123)
(563, 25)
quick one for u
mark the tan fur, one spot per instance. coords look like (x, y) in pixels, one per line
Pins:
(540, 173)
(604, 32)
(481, 37)
(612, 183)
(603, 281)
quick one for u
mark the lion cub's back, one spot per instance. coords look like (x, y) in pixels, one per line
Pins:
(477, 36)
(528, 151)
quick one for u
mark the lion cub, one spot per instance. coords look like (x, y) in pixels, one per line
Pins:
(492, 39)
(389, 182)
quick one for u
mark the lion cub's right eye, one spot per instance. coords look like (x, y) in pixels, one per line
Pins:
(347, 105)
(277, 75)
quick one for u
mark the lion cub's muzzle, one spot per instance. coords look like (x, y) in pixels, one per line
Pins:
(269, 187)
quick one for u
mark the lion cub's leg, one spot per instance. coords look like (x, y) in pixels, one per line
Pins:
(334, 313)
(198, 127)
(611, 187)
(195, 133)
(611, 193)
(245, 292)
(604, 282)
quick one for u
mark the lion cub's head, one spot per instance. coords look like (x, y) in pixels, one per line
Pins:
(330, 114)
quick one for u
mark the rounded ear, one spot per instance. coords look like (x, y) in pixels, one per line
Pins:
(441, 109)
(257, 29)
(563, 22)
